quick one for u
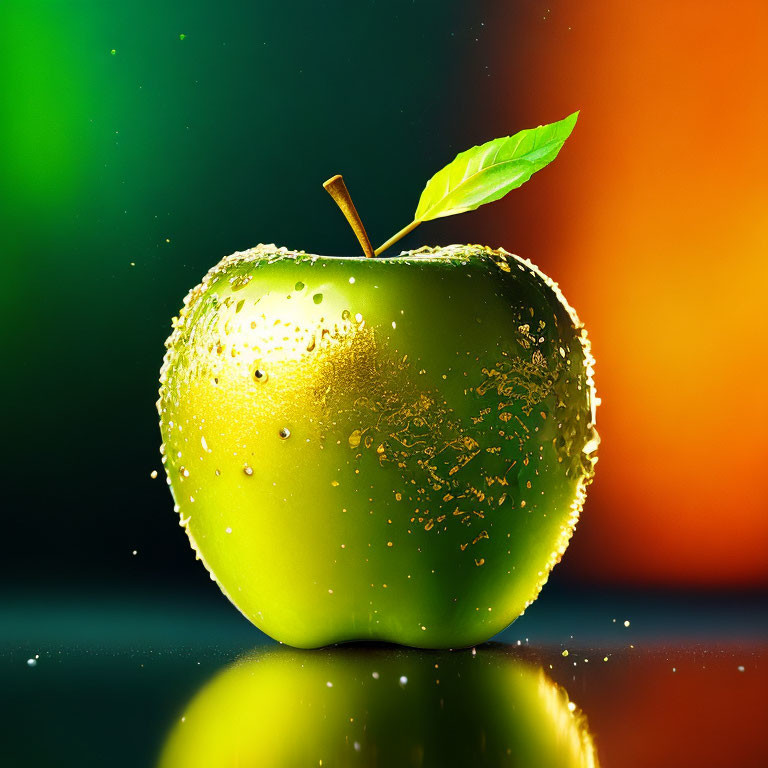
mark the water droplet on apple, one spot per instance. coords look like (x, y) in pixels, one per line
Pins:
(345, 315)
(260, 375)
(299, 286)
(240, 281)
(284, 433)
(317, 298)
(183, 471)
(246, 471)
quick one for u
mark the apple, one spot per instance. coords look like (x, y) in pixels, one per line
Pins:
(372, 707)
(391, 448)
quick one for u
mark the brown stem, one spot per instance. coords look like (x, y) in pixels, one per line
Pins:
(337, 189)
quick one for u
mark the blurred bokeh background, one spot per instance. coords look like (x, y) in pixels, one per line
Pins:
(140, 142)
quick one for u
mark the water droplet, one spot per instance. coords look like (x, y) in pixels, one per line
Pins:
(260, 375)
(354, 439)
(31, 662)
(317, 298)
(359, 317)
(240, 281)
(284, 433)
(229, 530)
(351, 280)
(571, 706)
(153, 474)
(299, 286)
(183, 471)
(246, 471)
(345, 315)
(375, 675)
(403, 679)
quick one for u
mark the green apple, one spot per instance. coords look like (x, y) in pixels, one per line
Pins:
(370, 707)
(390, 449)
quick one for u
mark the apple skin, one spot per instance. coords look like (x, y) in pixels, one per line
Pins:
(375, 707)
(390, 449)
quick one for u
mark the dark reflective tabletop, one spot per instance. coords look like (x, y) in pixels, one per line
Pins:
(611, 680)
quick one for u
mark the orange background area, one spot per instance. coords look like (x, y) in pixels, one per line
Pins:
(704, 713)
(654, 220)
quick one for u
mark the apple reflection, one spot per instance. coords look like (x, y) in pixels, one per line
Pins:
(371, 706)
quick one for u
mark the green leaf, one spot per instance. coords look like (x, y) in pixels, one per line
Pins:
(486, 173)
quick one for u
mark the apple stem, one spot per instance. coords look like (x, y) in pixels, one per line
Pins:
(392, 240)
(337, 189)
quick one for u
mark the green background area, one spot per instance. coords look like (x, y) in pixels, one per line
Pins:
(131, 161)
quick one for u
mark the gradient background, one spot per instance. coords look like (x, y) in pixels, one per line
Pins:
(132, 160)
(124, 176)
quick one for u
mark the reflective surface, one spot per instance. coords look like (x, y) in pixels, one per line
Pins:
(165, 684)
(380, 706)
